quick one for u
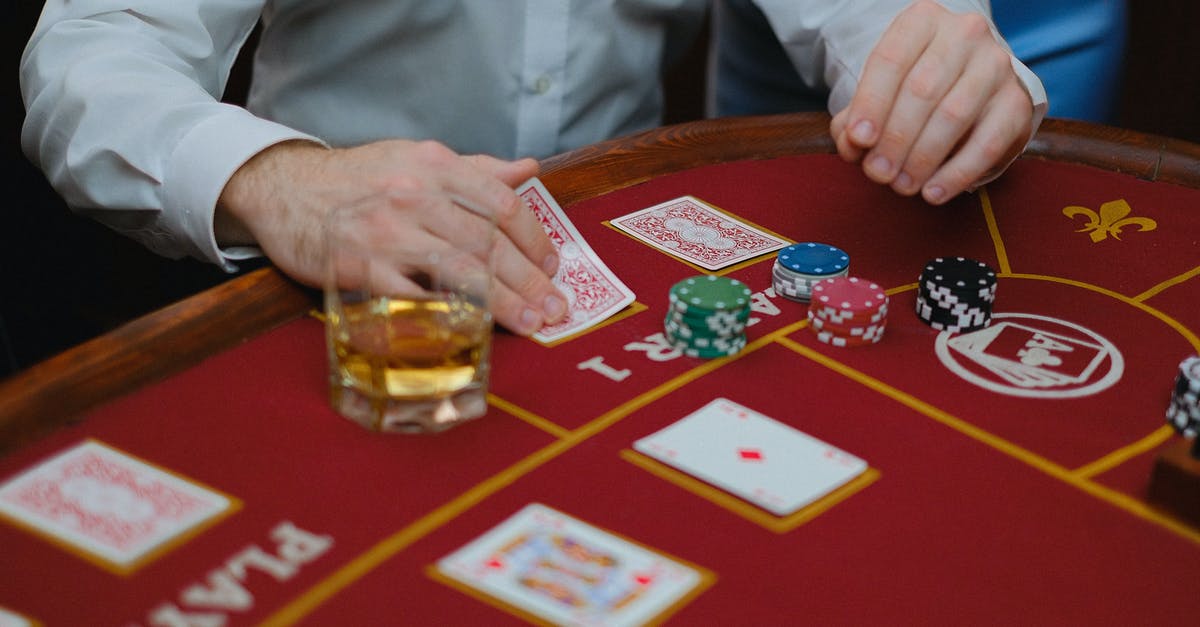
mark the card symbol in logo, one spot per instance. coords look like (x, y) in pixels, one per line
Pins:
(1033, 356)
(750, 454)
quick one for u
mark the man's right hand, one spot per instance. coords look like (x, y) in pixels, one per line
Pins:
(279, 199)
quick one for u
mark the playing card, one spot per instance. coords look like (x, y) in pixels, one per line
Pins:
(593, 292)
(691, 230)
(106, 503)
(565, 571)
(756, 458)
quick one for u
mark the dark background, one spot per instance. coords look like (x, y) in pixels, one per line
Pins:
(66, 279)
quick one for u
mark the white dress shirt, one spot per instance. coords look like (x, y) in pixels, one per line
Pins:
(123, 110)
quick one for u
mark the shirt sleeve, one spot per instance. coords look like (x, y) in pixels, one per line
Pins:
(123, 116)
(829, 41)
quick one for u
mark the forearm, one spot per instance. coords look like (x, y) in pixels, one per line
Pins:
(124, 117)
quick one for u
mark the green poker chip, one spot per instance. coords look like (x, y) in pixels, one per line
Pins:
(707, 316)
(708, 293)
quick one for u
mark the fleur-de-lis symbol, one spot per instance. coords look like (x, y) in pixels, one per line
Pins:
(1111, 219)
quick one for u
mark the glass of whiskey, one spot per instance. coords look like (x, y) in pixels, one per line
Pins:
(408, 326)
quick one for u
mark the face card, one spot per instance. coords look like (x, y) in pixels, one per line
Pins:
(756, 458)
(106, 503)
(565, 571)
(691, 230)
(593, 292)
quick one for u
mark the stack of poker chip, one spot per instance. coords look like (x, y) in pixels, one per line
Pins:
(1184, 411)
(956, 294)
(801, 266)
(848, 311)
(707, 316)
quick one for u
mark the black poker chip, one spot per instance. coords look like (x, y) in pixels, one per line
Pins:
(956, 294)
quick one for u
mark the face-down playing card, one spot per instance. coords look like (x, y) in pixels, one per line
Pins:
(696, 232)
(107, 504)
(756, 458)
(592, 291)
(555, 567)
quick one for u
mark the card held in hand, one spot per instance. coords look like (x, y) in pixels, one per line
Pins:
(592, 291)
(107, 504)
(560, 569)
(756, 458)
(694, 231)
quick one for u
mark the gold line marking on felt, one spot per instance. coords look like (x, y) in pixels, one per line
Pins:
(1113, 497)
(383, 550)
(1168, 320)
(533, 419)
(752, 513)
(358, 567)
(635, 307)
(1171, 282)
(994, 229)
(1125, 453)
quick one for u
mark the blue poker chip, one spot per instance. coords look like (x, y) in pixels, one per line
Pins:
(814, 258)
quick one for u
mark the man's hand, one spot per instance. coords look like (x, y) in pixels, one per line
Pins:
(939, 107)
(279, 200)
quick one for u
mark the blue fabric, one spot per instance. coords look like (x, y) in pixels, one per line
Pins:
(1075, 46)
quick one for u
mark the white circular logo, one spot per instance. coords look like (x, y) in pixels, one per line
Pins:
(1033, 356)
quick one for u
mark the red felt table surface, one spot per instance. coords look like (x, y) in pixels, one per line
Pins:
(985, 508)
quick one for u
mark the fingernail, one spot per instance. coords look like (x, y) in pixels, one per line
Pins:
(550, 265)
(863, 132)
(555, 307)
(904, 182)
(530, 320)
(881, 167)
(935, 194)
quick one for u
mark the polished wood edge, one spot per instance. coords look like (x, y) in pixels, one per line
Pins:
(165, 342)
(150, 348)
(607, 166)
(1143, 155)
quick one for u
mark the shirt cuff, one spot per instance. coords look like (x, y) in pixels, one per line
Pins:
(200, 166)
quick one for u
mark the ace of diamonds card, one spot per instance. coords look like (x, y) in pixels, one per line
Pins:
(756, 458)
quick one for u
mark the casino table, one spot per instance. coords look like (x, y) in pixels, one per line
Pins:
(988, 499)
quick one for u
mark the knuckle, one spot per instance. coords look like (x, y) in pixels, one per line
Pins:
(404, 182)
(531, 285)
(924, 7)
(974, 26)
(955, 110)
(434, 152)
(993, 149)
(920, 164)
(893, 138)
(509, 210)
(998, 60)
(890, 57)
(953, 177)
(924, 83)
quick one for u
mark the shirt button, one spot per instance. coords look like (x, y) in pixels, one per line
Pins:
(541, 85)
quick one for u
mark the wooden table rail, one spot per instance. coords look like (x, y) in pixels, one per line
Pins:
(54, 392)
